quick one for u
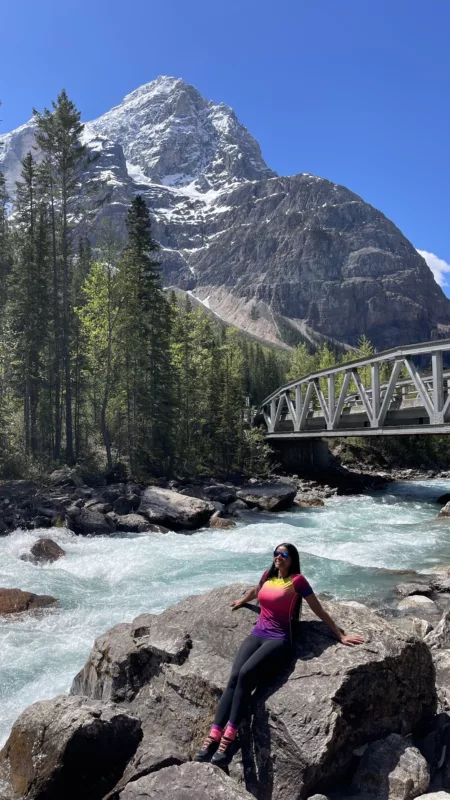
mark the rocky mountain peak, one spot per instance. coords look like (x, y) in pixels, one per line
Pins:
(176, 137)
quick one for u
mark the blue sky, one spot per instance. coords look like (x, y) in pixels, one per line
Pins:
(356, 91)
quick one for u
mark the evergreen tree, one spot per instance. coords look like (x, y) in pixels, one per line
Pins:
(58, 136)
(144, 328)
(28, 293)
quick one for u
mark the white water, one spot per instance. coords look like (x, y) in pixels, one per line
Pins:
(345, 548)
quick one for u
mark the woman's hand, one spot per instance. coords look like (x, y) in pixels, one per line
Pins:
(237, 604)
(350, 640)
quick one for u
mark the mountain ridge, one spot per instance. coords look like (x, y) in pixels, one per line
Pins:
(295, 256)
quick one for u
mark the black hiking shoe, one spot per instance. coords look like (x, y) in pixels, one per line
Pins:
(207, 750)
(225, 752)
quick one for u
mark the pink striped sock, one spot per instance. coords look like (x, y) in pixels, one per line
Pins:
(216, 732)
(231, 731)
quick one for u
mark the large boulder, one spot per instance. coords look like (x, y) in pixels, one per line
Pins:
(174, 510)
(303, 727)
(268, 496)
(46, 550)
(84, 522)
(185, 782)
(14, 601)
(68, 747)
(391, 768)
(418, 603)
(65, 477)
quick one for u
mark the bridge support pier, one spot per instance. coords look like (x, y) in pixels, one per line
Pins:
(301, 456)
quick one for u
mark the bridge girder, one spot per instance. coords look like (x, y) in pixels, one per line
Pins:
(338, 402)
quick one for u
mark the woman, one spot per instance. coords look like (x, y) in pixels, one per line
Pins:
(280, 592)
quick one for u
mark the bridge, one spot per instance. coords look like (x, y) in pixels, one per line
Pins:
(400, 391)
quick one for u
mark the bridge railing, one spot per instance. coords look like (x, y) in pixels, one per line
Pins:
(324, 400)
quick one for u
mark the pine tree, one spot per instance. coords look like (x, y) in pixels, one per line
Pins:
(144, 328)
(27, 304)
(58, 136)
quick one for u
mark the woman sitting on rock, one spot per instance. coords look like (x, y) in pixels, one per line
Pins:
(280, 592)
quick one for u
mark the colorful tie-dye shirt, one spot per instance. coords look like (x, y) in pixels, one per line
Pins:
(277, 598)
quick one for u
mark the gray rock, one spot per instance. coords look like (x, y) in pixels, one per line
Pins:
(123, 505)
(268, 496)
(90, 522)
(170, 669)
(174, 510)
(418, 603)
(153, 754)
(434, 796)
(46, 550)
(136, 523)
(69, 747)
(236, 508)
(439, 638)
(391, 768)
(186, 782)
(445, 511)
(65, 477)
(408, 589)
(414, 625)
(440, 582)
(220, 493)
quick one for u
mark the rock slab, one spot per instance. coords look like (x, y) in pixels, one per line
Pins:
(391, 768)
(174, 510)
(70, 748)
(303, 726)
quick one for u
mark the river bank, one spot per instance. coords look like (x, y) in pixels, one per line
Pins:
(350, 548)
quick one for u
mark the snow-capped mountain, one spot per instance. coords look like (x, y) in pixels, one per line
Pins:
(284, 258)
(176, 137)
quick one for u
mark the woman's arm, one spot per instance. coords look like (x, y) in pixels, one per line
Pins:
(316, 606)
(251, 595)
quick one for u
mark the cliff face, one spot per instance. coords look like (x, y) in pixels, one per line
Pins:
(282, 257)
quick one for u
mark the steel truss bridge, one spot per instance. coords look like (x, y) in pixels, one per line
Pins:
(352, 399)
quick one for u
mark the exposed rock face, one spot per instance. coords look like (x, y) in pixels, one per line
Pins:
(13, 601)
(268, 496)
(169, 670)
(439, 638)
(175, 136)
(392, 769)
(286, 258)
(173, 510)
(70, 748)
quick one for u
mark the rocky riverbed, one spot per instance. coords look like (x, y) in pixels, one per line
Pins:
(168, 669)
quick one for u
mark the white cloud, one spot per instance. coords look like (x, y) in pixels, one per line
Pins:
(438, 266)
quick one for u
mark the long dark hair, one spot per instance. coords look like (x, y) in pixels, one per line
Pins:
(294, 569)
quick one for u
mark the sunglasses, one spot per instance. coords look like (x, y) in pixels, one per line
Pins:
(282, 553)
